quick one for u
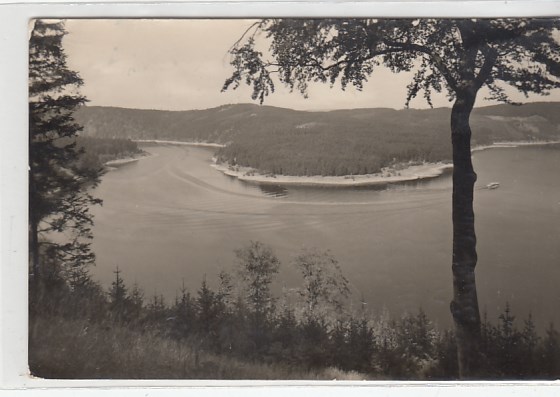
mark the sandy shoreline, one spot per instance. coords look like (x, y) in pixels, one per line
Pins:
(404, 172)
(162, 142)
(399, 174)
(387, 175)
(112, 164)
(512, 144)
(119, 162)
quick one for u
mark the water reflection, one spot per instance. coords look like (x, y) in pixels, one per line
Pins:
(273, 190)
(295, 191)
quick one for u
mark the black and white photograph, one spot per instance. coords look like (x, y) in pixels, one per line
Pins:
(294, 199)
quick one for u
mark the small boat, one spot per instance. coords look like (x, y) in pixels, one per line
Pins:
(493, 185)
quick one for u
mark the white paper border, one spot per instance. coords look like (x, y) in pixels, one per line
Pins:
(14, 19)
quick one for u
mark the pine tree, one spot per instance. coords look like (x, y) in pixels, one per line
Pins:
(118, 297)
(225, 313)
(205, 307)
(285, 333)
(224, 293)
(59, 189)
(136, 298)
(361, 344)
(184, 314)
(314, 342)
(157, 313)
(507, 343)
(446, 353)
(340, 355)
(550, 354)
(529, 341)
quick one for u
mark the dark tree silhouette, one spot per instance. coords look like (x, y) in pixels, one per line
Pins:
(59, 197)
(458, 56)
(119, 298)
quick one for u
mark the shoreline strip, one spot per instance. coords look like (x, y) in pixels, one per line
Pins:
(388, 175)
(408, 174)
(180, 143)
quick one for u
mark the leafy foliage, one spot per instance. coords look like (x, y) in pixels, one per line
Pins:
(325, 288)
(451, 55)
(257, 265)
(59, 188)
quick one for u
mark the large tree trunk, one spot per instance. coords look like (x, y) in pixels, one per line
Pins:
(464, 306)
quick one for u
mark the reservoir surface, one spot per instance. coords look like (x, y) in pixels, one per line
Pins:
(171, 217)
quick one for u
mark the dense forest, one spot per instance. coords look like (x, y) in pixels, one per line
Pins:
(238, 329)
(340, 142)
(335, 148)
(98, 151)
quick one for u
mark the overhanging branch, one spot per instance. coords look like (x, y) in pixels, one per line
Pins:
(436, 60)
(490, 57)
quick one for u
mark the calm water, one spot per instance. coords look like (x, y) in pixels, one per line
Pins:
(171, 217)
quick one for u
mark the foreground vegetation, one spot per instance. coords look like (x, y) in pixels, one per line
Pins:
(240, 330)
(80, 349)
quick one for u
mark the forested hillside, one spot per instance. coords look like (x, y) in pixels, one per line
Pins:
(336, 142)
(98, 151)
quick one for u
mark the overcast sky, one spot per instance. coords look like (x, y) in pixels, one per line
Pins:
(182, 64)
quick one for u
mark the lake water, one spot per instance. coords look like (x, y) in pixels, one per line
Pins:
(171, 217)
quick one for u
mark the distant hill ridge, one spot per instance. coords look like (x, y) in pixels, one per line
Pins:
(222, 123)
(337, 142)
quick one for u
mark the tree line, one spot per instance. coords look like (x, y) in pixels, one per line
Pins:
(310, 328)
(334, 148)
